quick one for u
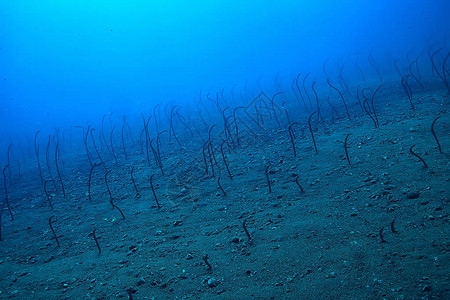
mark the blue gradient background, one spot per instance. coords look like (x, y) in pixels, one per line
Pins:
(63, 62)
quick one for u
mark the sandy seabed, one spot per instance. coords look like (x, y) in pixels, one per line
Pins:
(322, 243)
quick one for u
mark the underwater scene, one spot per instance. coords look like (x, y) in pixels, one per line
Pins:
(224, 149)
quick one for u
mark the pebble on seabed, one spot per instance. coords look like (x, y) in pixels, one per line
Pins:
(212, 282)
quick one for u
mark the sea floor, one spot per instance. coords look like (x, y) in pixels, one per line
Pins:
(322, 243)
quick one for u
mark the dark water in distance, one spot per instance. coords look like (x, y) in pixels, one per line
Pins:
(66, 63)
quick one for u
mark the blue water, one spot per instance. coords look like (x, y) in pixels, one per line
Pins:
(67, 62)
(79, 79)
